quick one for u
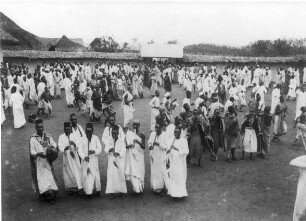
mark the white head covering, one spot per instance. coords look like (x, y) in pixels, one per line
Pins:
(167, 94)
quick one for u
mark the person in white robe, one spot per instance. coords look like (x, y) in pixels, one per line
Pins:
(76, 129)
(300, 201)
(107, 133)
(33, 95)
(42, 154)
(241, 94)
(89, 150)
(275, 97)
(128, 109)
(116, 154)
(135, 166)
(177, 151)
(57, 84)
(16, 102)
(68, 145)
(68, 91)
(292, 88)
(261, 91)
(157, 144)
(3, 118)
(300, 101)
(186, 100)
(154, 104)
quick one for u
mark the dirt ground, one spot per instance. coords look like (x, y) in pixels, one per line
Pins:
(244, 190)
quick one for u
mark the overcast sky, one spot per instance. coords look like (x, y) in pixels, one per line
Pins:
(231, 23)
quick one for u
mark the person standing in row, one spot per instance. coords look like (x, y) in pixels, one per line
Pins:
(89, 150)
(135, 166)
(42, 154)
(157, 144)
(155, 104)
(116, 150)
(68, 145)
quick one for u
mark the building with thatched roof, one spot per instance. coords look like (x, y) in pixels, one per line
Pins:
(66, 45)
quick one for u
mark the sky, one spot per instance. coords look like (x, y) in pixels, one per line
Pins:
(232, 23)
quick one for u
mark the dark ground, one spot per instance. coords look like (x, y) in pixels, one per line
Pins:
(244, 190)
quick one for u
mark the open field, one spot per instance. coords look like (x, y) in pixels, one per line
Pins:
(244, 190)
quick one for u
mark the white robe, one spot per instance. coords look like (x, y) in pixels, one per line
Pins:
(300, 102)
(68, 90)
(128, 110)
(107, 133)
(261, 91)
(158, 160)
(16, 101)
(300, 201)
(115, 166)
(71, 166)
(135, 166)
(275, 99)
(91, 179)
(45, 177)
(155, 104)
(292, 87)
(177, 173)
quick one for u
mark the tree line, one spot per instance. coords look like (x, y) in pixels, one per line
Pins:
(260, 48)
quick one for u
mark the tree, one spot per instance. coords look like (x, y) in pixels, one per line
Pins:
(104, 44)
(125, 45)
(151, 42)
(261, 48)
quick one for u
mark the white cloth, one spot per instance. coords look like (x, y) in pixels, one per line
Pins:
(128, 110)
(115, 166)
(292, 87)
(300, 201)
(68, 91)
(261, 91)
(158, 160)
(107, 133)
(135, 166)
(16, 101)
(275, 99)
(300, 102)
(155, 104)
(177, 174)
(71, 165)
(45, 177)
(90, 170)
(250, 141)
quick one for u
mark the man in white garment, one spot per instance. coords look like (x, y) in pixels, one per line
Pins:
(275, 97)
(177, 151)
(68, 145)
(42, 154)
(300, 101)
(89, 150)
(299, 212)
(68, 91)
(157, 144)
(16, 102)
(154, 104)
(116, 150)
(76, 129)
(107, 133)
(128, 109)
(261, 91)
(135, 166)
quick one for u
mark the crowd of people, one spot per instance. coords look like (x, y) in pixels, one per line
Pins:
(210, 123)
